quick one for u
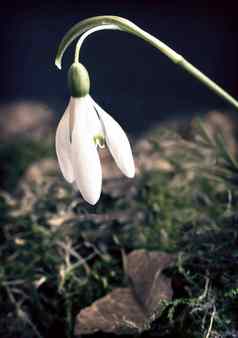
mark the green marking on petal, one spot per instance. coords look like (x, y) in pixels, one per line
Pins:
(99, 140)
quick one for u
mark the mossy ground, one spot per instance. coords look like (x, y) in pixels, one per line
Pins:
(59, 255)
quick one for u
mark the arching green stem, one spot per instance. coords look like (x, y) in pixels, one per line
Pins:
(128, 26)
(86, 34)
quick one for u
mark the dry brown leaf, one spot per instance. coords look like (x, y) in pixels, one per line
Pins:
(130, 310)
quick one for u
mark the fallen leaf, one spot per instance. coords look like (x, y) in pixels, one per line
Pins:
(130, 310)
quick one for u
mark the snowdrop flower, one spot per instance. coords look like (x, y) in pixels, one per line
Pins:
(83, 129)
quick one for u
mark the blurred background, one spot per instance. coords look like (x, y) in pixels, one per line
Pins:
(132, 80)
(58, 254)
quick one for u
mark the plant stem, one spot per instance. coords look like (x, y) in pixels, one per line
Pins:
(113, 22)
(86, 34)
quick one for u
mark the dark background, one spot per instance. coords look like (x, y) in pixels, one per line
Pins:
(130, 79)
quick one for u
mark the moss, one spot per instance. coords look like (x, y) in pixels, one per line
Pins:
(16, 157)
(52, 269)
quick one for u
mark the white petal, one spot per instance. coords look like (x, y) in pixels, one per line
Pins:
(95, 124)
(86, 162)
(117, 142)
(62, 145)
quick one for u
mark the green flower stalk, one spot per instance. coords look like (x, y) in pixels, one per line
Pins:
(115, 22)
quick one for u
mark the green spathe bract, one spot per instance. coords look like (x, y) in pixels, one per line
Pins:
(78, 80)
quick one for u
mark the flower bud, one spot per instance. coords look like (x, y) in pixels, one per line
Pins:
(78, 80)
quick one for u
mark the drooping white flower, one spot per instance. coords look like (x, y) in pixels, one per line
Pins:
(83, 128)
